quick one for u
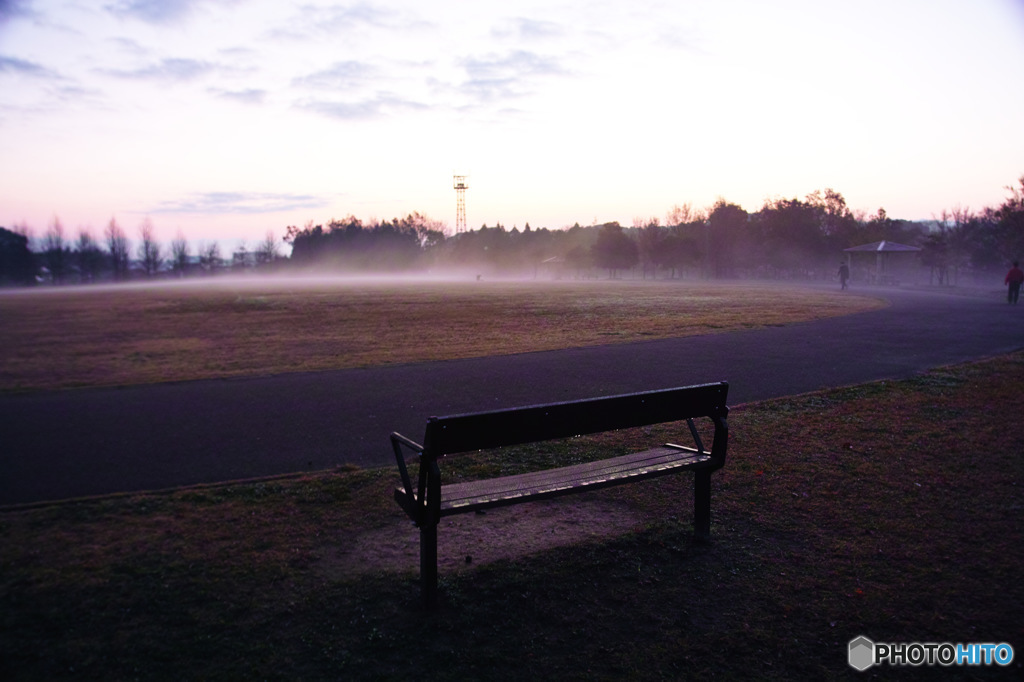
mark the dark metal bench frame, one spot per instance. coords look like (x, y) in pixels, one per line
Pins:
(429, 501)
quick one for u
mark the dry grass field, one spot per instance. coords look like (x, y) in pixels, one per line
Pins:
(108, 336)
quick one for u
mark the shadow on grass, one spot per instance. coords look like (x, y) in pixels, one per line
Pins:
(890, 510)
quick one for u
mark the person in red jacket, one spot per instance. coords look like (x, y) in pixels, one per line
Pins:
(1014, 278)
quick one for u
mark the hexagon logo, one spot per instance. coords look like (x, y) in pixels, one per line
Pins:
(862, 653)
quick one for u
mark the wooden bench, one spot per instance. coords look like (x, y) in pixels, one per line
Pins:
(429, 500)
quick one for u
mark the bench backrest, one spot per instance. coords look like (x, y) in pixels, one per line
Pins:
(497, 428)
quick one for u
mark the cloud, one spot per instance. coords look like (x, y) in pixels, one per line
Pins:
(9, 9)
(339, 76)
(336, 20)
(344, 110)
(341, 17)
(243, 203)
(45, 92)
(524, 29)
(249, 96)
(515, 64)
(166, 70)
(380, 105)
(21, 67)
(153, 11)
(239, 52)
(507, 75)
(687, 39)
(75, 94)
(128, 45)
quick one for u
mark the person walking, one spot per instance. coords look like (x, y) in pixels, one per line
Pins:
(844, 274)
(1014, 278)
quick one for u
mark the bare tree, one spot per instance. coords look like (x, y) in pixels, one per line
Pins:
(947, 248)
(836, 219)
(88, 254)
(209, 256)
(682, 214)
(688, 238)
(25, 231)
(266, 250)
(935, 253)
(179, 254)
(149, 248)
(53, 249)
(240, 258)
(650, 239)
(962, 239)
(118, 248)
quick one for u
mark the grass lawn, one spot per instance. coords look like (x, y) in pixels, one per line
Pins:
(890, 510)
(92, 336)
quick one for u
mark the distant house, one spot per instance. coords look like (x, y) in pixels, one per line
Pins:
(243, 260)
(193, 265)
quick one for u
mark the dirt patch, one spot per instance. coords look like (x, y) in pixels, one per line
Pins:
(469, 540)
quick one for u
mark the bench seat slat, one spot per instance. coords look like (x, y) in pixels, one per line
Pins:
(602, 468)
(460, 498)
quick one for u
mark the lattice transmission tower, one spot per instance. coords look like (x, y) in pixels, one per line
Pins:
(460, 186)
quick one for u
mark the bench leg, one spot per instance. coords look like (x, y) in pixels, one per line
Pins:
(702, 505)
(429, 521)
(428, 565)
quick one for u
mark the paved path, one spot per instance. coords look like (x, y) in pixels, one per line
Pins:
(87, 442)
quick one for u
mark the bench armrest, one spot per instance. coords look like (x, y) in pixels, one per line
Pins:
(397, 441)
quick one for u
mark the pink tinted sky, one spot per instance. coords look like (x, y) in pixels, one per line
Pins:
(227, 119)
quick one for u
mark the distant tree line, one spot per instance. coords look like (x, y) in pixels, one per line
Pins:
(347, 244)
(785, 238)
(114, 257)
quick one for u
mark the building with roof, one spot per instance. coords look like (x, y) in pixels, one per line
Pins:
(890, 263)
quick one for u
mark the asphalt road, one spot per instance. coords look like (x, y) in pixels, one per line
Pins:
(63, 444)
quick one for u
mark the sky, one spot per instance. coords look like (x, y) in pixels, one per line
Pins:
(223, 120)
